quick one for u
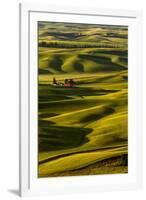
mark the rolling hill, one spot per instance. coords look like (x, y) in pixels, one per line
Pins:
(82, 130)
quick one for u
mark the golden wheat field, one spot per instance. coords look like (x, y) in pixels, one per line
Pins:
(82, 99)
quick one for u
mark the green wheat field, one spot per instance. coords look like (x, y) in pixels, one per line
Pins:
(82, 128)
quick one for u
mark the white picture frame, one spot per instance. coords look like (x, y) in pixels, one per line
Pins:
(29, 183)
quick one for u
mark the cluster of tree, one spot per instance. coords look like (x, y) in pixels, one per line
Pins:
(77, 45)
(67, 82)
(68, 34)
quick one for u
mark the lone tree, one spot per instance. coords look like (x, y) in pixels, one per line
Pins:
(54, 81)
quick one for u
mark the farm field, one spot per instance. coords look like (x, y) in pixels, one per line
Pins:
(83, 128)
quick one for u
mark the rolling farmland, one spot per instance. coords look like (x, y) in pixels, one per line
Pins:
(82, 130)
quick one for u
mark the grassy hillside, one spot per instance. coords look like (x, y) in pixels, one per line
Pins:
(82, 129)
